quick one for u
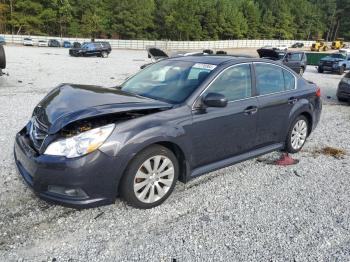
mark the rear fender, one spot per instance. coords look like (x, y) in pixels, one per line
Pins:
(301, 107)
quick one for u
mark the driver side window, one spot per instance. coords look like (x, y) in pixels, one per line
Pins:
(234, 83)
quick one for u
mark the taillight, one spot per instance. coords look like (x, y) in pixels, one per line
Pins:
(318, 92)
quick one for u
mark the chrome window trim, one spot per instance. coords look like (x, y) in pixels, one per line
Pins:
(283, 68)
(251, 63)
(229, 67)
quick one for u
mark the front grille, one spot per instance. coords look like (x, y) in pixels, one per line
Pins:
(37, 133)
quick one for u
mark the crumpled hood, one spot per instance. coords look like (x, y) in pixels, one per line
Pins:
(68, 103)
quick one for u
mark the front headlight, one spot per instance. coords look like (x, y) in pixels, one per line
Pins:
(81, 144)
(345, 80)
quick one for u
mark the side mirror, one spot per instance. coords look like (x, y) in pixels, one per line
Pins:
(214, 100)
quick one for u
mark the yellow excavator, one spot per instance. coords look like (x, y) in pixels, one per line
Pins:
(320, 45)
(338, 43)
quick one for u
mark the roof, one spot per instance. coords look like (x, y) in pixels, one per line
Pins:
(209, 59)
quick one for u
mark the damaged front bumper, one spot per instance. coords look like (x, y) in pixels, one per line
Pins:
(87, 181)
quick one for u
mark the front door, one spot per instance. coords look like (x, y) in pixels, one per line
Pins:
(220, 133)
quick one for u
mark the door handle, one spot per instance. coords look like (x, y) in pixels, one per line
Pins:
(250, 110)
(292, 100)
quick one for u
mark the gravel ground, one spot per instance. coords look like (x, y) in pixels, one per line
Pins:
(251, 211)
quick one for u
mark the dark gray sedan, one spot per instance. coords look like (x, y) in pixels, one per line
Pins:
(175, 120)
(343, 92)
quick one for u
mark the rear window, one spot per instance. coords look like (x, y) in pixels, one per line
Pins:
(269, 78)
(273, 79)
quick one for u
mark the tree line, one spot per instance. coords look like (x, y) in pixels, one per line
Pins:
(178, 19)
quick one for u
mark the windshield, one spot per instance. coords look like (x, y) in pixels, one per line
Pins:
(169, 81)
(341, 56)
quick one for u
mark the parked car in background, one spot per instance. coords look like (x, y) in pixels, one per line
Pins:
(343, 92)
(42, 43)
(2, 40)
(2, 59)
(297, 45)
(66, 44)
(294, 60)
(345, 51)
(100, 49)
(281, 47)
(28, 42)
(54, 43)
(157, 54)
(337, 62)
(76, 45)
(175, 120)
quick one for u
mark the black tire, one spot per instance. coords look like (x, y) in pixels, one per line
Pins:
(340, 99)
(288, 143)
(302, 70)
(104, 54)
(341, 70)
(2, 58)
(126, 187)
(320, 69)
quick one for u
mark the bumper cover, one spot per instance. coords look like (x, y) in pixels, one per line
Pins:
(96, 174)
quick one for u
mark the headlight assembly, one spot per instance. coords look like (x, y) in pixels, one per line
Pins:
(81, 144)
(346, 80)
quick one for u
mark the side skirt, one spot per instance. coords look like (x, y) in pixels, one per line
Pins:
(236, 159)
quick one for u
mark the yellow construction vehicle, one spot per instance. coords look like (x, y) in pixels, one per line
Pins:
(320, 45)
(338, 43)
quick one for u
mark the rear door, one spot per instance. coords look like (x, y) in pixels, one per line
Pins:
(220, 133)
(276, 97)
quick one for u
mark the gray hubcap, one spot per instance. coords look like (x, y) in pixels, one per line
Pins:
(154, 179)
(299, 134)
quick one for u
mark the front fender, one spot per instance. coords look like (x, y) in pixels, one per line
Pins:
(126, 146)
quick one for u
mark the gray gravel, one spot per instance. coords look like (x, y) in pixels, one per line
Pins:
(248, 212)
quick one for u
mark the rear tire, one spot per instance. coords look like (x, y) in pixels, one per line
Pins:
(150, 177)
(297, 134)
(341, 70)
(2, 58)
(104, 54)
(320, 69)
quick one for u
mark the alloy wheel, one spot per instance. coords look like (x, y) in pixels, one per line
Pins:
(299, 134)
(154, 179)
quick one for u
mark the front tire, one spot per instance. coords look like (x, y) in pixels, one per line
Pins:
(341, 70)
(340, 99)
(150, 177)
(104, 54)
(320, 69)
(297, 134)
(2, 58)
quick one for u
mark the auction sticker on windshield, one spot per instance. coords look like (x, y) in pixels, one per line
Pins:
(204, 66)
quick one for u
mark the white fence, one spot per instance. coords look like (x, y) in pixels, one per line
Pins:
(167, 45)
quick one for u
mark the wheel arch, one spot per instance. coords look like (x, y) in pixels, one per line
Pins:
(309, 118)
(178, 150)
(304, 108)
